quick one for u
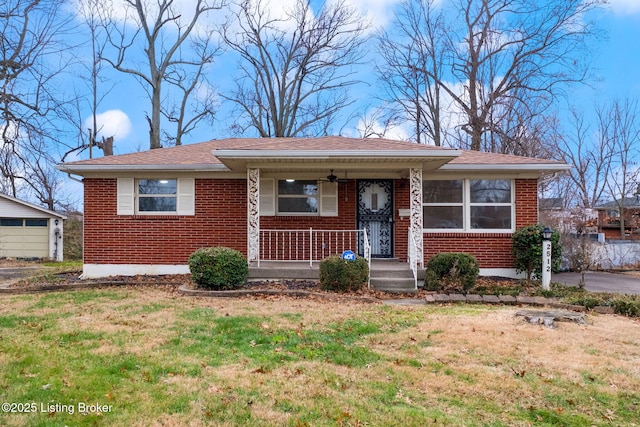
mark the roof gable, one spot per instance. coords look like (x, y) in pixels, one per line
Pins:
(10, 207)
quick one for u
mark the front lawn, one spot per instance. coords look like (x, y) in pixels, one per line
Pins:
(147, 356)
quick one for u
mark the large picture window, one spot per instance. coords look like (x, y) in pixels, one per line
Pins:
(157, 195)
(472, 204)
(299, 197)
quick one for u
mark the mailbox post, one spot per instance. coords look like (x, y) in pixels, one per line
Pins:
(546, 258)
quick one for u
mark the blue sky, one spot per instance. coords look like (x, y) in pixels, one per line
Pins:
(617, 62)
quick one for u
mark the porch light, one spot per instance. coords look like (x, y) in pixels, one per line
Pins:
(546, 233)
(291, 180)
(163, 181)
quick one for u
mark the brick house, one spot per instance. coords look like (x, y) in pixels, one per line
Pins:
(299, 199)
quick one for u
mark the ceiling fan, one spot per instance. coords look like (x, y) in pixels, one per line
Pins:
(333, 178)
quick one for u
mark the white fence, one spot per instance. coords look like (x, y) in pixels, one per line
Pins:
(616, 254)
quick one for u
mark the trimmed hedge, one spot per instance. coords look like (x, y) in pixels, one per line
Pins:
(451, 269)
(218, 268)
(337, 274)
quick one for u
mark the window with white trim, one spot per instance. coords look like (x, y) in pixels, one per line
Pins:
(156, 196)
(468, 204)
(298, 197)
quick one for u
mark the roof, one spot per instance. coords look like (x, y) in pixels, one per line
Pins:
(551, 203)
(47, 212)
(627, 203)
(239, 153)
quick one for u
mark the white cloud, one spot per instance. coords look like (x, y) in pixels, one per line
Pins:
(624, 7)
(114, 123)
(378, 12)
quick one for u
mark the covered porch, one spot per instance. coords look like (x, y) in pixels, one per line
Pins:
(305, 205)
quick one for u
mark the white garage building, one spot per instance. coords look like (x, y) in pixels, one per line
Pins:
(29, 231)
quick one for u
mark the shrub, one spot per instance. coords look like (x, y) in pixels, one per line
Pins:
(527, 250)
(451, 269)
(218, 268)
(337, 274)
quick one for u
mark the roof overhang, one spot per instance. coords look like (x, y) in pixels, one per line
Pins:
(529, 169)
(79, 169)
(241, 160)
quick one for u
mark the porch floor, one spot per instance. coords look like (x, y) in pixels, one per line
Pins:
(389, 275)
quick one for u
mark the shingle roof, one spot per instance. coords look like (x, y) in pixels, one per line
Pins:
(627, 202)
(202, 153)
(482, 158)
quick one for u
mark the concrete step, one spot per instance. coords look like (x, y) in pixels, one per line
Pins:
(391, 274)
(394, 285)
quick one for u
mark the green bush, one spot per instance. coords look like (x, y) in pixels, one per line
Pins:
(527, 250)
(625, 305)
(451, 270)
(337, 274)
(218, 268)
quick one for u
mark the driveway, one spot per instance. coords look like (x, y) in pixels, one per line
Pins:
(9, 275)
(598, 281)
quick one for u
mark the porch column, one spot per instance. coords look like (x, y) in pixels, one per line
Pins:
(253, 214)
(415, 183)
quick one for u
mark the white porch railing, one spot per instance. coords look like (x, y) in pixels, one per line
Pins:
(310, 245)
(413, 257)
(366, 253)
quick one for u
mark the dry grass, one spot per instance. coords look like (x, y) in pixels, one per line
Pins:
(439, 365)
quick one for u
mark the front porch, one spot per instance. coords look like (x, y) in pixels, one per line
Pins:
(387, 275)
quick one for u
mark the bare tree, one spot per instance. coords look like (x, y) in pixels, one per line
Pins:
(164, 35)
(505, 54)
(623, 119)
(589, 152)
(32, 59)
(415, 43)
(295, 70)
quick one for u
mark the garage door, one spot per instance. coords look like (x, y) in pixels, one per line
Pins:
(24, 238)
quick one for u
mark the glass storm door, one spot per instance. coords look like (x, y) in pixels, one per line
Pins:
(375, 214)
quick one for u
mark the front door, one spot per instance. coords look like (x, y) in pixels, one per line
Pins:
(375, 214)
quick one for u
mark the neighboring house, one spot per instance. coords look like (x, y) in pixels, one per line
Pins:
(303, 199)
(609, 218)
(29, 231)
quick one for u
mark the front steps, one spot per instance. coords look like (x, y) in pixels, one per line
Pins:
(392, 275)
(387, 275)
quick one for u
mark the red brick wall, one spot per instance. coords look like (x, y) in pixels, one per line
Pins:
(220, 219)
(493, 250)
(401, 225)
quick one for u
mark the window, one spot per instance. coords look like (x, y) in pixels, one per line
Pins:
(299, 197)
(36, 222)
(476, 204)
(490, 204)
(157, 195)
(443, 204)
(151, 196)
(11, 222)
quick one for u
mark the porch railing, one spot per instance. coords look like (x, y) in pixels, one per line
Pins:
(413, 257)
(366, 252)
(311, 245)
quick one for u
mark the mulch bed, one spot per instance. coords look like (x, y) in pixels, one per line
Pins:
(171, 283)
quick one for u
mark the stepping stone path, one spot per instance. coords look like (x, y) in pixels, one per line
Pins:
(549, 317)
